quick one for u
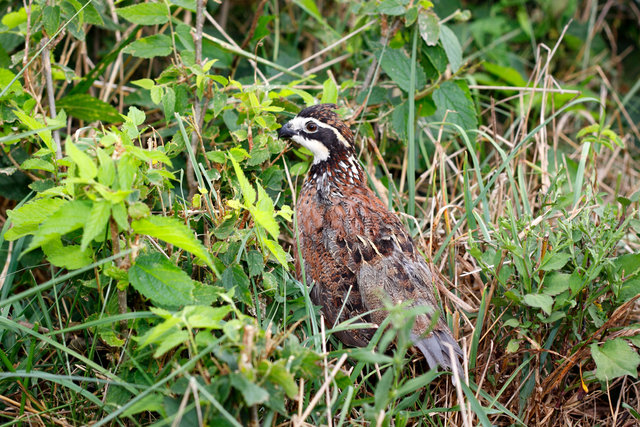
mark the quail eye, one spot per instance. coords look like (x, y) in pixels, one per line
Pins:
(311, 127)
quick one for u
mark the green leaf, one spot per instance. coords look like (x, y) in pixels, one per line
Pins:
(392, 7)
(255, 261)
(252, 393)
(513, 345)
(70, 257)
(455, 106)
(87, 168)
(263, 213)
(172, 231)
(170, 341)
(369, 356)
(13, 19)
(383, 388)
(507, 74)
(155, 277)
(615, 358)
(145, 13)
(429, 27)
(278, 374)
(248, 193)
(150, 47)
(96, 223)
(554, 261)
(51, 19)
(28, 217)
(545, 302)
(86, 107)
(397, 65)
(329, 92)
(150, 403)
(107, 168)
(71, 216)
(416, 383)
(38, 164)
(556, 283)
(5, 78)
(169, 103)
(201, 316)
(310, 7)
(452, 47)
(186, 4)
(34, 124)
(234, 277)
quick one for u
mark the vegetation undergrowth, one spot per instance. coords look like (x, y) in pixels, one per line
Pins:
(148, 210)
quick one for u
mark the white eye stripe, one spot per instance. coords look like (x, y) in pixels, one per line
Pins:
(298, 123)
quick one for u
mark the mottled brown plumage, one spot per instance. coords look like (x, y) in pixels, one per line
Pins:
(352, 246)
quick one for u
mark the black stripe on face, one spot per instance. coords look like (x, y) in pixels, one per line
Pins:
(326, 137)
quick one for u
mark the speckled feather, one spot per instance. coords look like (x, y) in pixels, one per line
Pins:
(353, 247)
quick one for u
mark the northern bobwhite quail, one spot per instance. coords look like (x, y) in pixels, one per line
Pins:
(352, 245)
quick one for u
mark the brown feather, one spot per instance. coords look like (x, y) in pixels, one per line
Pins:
(354, 248)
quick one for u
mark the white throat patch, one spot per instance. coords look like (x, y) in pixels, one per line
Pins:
(320, 152)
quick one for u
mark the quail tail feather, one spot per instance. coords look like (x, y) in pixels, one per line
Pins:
(435, 349)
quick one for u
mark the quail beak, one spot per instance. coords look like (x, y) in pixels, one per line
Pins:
(285, 132)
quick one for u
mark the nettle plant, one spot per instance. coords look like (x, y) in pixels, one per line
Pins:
(561, 285)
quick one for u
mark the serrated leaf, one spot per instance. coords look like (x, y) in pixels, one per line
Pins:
(155, 277)
(170, 341)
(51, 19)
(86, 167)
(263, 213)
(329, 92)
(201, 316)
(38, 164)
(86, 107)
(615, 358)
(34, 124)
(235, 277)
(173, 231)
(6, 76)
(545, 302)
(71, 216)
(397, 65)
(70, 257)
(27, 218)
(454, 106)
(392, 7)
(106, 169)
(452, 47)
(150, 47)
(248, 193)
(145, 13)
(429, 27)
(96, 223)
